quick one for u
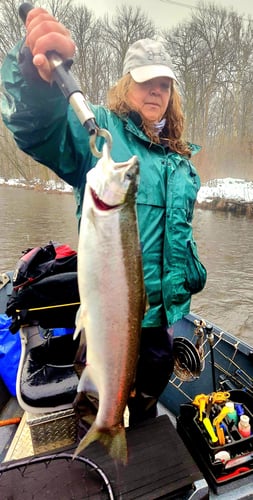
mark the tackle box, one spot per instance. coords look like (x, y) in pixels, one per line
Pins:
(52, 430)
(199, 443)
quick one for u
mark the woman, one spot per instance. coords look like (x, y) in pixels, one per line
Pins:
(145, 118)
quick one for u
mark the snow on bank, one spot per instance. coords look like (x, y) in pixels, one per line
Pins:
(228, 188)
(50, 185)
(238, 190)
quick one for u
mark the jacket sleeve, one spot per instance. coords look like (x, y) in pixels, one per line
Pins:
(41, 120)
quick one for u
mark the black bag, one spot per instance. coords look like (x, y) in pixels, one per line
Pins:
(39, 262)
(45, 288)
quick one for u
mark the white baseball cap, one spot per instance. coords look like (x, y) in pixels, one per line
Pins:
(147, 59)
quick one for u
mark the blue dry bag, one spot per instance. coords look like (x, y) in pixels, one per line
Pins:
(10, 351)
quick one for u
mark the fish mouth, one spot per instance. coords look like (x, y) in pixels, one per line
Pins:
(100, 204)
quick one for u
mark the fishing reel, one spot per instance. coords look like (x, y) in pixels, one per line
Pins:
(189, 358)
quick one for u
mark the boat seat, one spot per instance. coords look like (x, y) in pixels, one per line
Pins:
(46, 379)
(52, 302)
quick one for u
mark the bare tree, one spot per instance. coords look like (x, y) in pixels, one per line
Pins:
(90, 59)
(213, 58)
(11, 27)
(14, 163)
(128, 25)
(61, 9)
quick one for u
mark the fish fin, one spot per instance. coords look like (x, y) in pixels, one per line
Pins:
(80, 357)
(113, 440)
(79, 321)
(146, 305)
(86, 383)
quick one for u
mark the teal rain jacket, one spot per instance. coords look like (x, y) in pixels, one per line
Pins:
(45, 127)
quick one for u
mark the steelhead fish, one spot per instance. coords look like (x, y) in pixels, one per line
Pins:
(112, 296)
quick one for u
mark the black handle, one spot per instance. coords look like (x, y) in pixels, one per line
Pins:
(24, 9)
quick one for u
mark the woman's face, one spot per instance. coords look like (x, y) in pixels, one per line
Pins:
(150, 98)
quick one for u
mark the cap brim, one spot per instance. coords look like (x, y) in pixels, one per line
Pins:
(144, 73)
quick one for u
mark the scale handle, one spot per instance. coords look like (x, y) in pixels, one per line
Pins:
(23, 10)
(62, 75)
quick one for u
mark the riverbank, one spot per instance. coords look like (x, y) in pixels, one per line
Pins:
(227, 205)
(226, 195)
(50, 186)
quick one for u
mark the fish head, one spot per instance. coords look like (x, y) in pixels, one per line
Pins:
(111, 183)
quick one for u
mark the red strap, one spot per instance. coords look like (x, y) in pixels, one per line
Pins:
(64, 251)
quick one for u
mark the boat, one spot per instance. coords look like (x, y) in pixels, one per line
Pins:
(211, 367)
(209, 363)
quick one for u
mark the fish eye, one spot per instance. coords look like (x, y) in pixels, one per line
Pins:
(129, 176)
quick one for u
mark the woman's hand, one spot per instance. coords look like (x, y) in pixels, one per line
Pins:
(45, 33)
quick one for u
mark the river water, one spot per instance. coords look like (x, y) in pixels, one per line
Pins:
(30, 218)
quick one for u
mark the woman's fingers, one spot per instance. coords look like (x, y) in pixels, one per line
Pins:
(45, 33)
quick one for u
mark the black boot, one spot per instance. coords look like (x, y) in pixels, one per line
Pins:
(85, 407)
(141, 408)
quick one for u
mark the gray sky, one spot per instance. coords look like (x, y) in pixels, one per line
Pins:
(167, 13)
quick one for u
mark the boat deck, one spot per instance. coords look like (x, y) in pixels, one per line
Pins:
(160, 467)
(7, 432)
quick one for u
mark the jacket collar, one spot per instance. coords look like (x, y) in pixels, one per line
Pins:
(134, 124)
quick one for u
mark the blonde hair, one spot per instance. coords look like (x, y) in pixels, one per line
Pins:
(174, 126)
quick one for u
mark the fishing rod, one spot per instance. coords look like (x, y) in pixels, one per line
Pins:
(63, 77)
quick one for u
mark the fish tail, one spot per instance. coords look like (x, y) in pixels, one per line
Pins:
(114, 442)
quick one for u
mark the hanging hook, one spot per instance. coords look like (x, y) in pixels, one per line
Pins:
(100, 132)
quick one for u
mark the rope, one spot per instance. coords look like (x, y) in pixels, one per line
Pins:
(49, 307)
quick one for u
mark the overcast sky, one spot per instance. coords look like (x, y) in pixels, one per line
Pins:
(167, 13)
